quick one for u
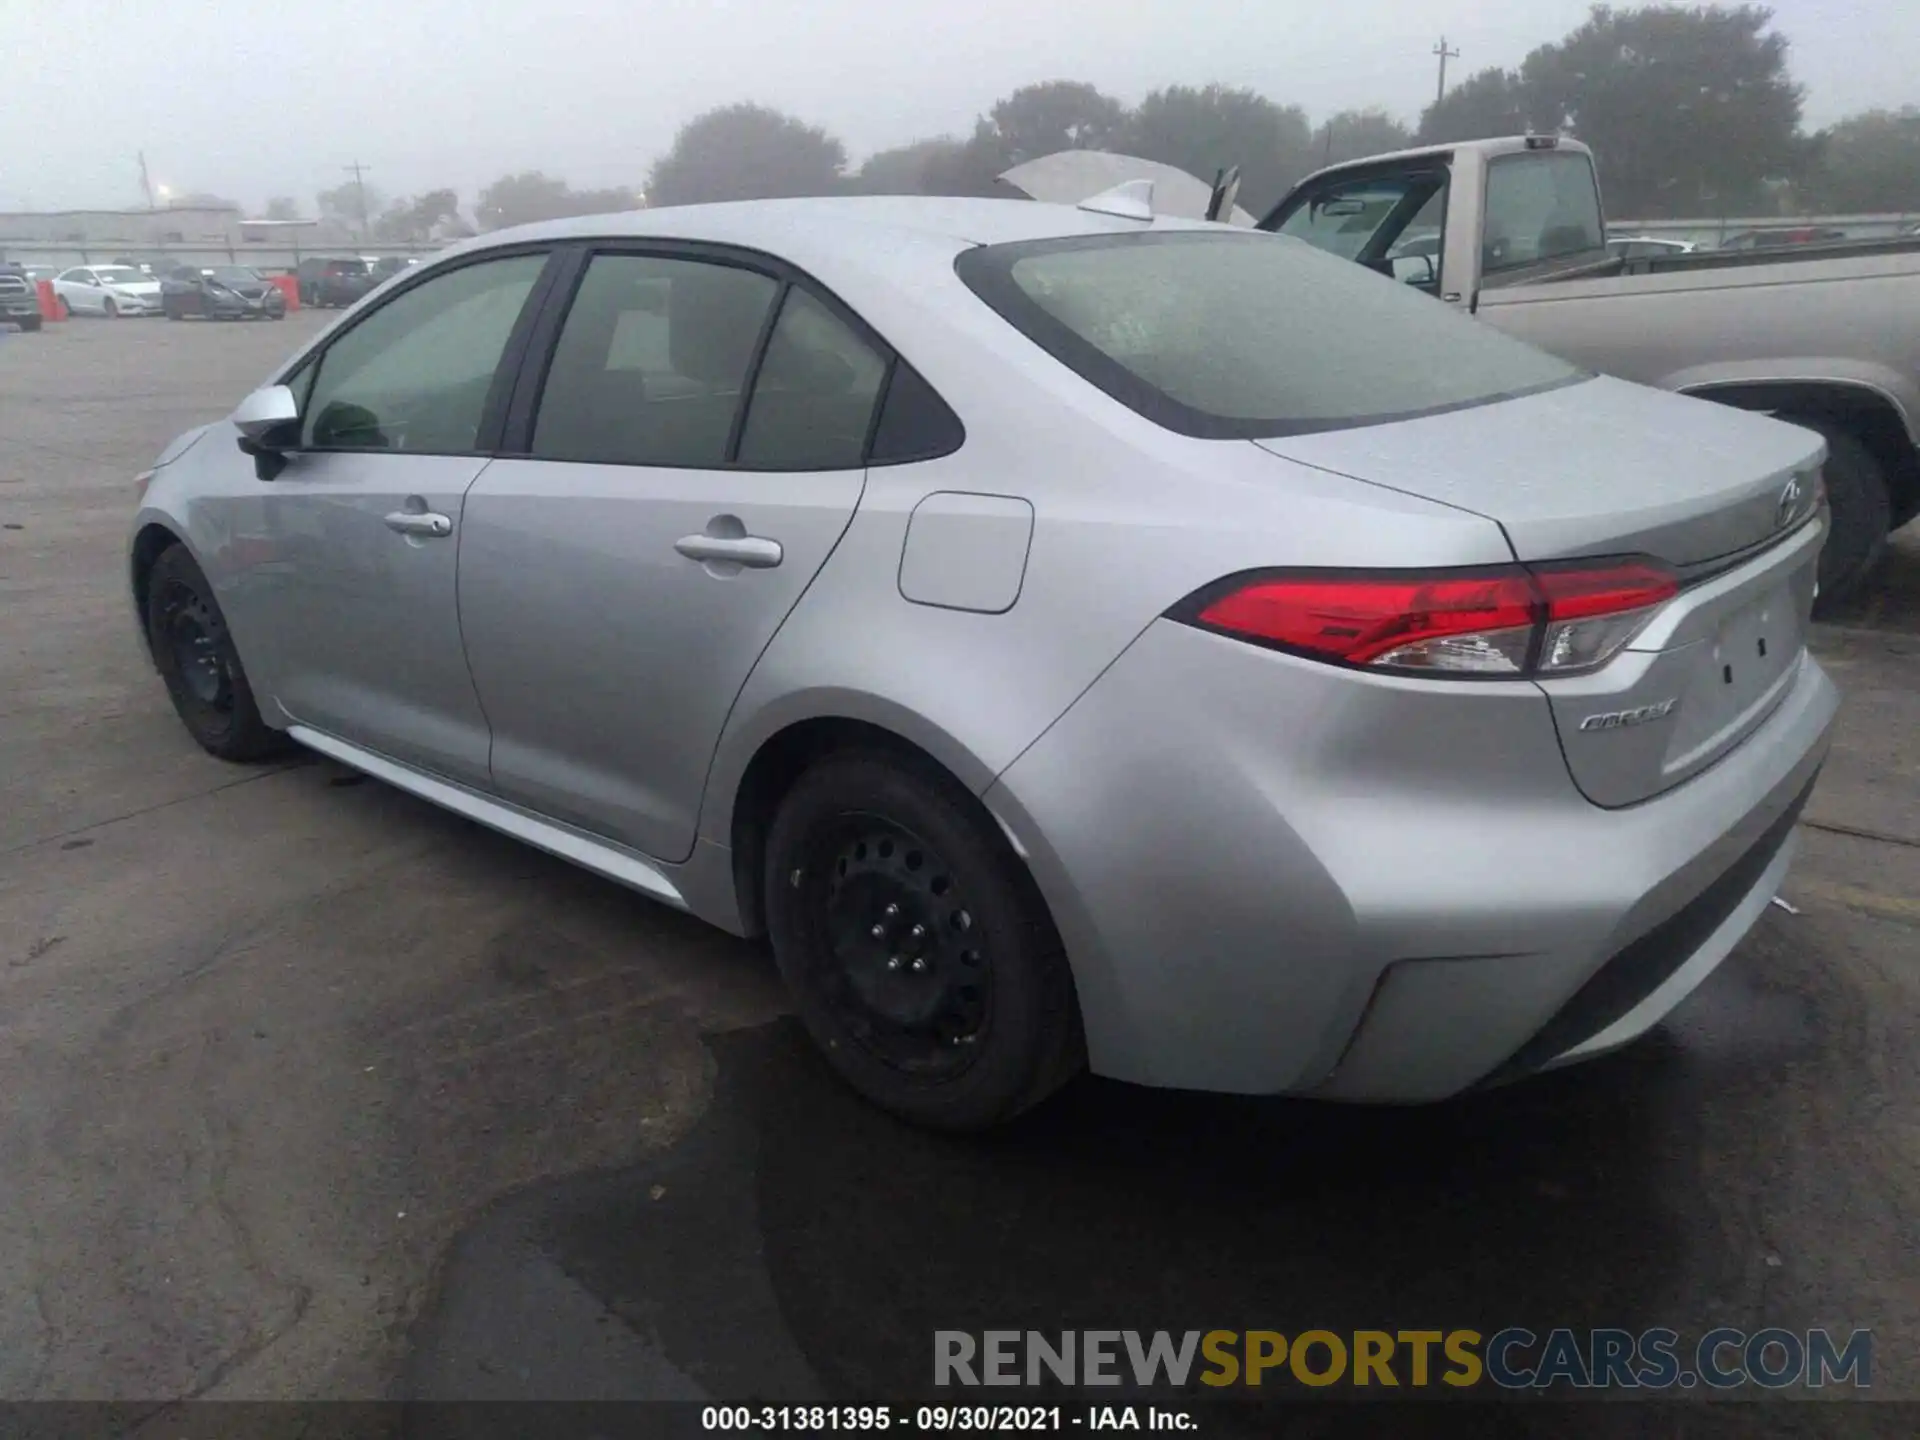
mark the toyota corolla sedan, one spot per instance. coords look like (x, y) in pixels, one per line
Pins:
(1073, 638)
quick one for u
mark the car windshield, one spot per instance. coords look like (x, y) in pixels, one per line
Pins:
(119, 275)
(347, 267)
(231, 274)
(1223, 335)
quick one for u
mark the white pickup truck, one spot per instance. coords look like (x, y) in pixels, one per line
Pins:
(1511, 230)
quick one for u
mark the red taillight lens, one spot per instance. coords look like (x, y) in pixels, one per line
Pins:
(1508, 621)
(1362, 620)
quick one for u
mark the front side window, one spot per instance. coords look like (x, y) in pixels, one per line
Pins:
(652, 362)
(414, 375)
(1248, 335)
(813, 397)
(1541, 205)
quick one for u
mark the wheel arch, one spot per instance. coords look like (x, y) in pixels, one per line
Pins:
(746, 789)
(149, 541)
(1867, 411)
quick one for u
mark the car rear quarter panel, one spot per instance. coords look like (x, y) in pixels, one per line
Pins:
(1128, 519)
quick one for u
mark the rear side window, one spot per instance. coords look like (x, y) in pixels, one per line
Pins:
(652, 362)
(814, 394)
(1243, 335)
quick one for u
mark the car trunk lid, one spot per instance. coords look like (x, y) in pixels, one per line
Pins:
(1607, 468)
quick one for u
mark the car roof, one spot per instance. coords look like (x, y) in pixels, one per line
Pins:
(838, 220)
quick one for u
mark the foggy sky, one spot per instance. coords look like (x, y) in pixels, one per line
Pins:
(225, 97)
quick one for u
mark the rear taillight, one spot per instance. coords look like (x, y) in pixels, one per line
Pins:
(1495, 623)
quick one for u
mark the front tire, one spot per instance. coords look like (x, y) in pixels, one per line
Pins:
(1861, 506)
(195, 655)
(111, 310)
(919, 953)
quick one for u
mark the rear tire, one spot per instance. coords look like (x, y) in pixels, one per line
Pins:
(66, 310)
(1861, 514)
(195, 655)
(919, 953)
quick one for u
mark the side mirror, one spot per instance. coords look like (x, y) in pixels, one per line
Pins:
(269, 424)
(1414, 269)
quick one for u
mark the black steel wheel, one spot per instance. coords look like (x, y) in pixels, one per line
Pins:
(918, 950)
(195, 655)
(909, 978)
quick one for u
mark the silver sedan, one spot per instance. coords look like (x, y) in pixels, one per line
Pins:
(1072, 637)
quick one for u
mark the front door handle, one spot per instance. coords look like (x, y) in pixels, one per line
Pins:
(748, 550)
(413, 522)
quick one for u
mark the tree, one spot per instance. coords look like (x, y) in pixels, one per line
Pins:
(904, 169)
(283, 207)
(1356, 134)
(1689, 111)
(1868, 162)
(343, 204)
(1037, 120)
(746, 152)
(415, 218)
(1201, 131)
(534, 195)
(1487, 104)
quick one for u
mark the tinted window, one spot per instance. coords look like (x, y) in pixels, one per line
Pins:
(414, 374)
(651, 362)
(813, 397)
(1540, 206)
(1216, 334)
(915, 423)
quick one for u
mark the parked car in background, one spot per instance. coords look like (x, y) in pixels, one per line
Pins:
(1786, 235)
(110, 290)
(221, 292)
(19, 297)
(1644, 247)
(325, 282)
(1200, 659)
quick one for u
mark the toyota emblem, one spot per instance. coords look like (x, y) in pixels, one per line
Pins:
(1789, 505)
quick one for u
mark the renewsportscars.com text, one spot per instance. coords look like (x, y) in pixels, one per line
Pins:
(1514, 1358)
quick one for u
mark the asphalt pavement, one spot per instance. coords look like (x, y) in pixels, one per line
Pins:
(311, 1090)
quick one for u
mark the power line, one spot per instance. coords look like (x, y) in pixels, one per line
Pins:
(1440, 90)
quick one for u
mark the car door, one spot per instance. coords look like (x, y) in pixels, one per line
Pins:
(80, 290)
(619, 581)
(398, 414)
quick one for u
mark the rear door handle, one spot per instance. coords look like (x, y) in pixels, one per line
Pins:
(413, 522)
(748, 550)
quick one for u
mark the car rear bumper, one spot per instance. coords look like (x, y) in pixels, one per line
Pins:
(1375, 889)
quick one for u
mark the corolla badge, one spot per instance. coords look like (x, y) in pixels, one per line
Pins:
(1640, 715)
(1789, 505)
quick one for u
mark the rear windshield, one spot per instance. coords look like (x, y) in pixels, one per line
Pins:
(1225, 335)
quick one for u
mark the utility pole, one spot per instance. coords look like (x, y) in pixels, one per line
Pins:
(146, 182)
(1445, 54)
(360, 188)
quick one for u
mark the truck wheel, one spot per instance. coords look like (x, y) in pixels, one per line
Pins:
(919, 954)
(29, 324)
(1861, 508)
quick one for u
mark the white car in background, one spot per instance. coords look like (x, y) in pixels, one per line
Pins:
(109, 290)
